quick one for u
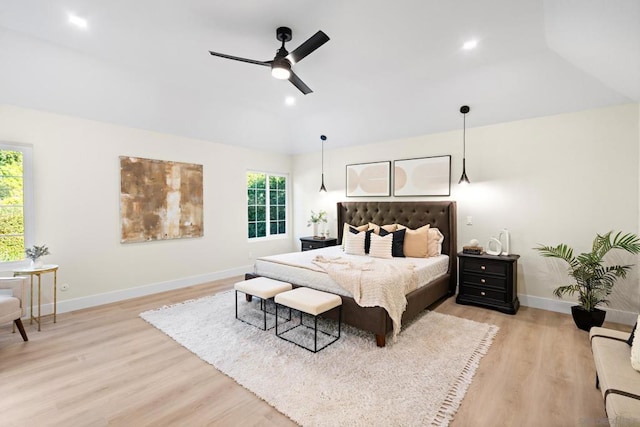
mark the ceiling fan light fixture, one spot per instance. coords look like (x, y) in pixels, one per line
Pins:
(281, 69)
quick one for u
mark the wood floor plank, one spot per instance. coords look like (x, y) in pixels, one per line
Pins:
(107, 366)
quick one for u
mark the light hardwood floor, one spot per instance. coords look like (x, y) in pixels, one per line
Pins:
(106, 366)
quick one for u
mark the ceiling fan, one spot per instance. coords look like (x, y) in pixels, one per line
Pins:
(281, 64)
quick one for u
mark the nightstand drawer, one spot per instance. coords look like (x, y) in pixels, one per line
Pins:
(485, 266)
(489, 294)
(306, 246)
(309, 243)
(482, 280)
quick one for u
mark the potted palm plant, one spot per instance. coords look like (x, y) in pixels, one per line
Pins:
(593, 279)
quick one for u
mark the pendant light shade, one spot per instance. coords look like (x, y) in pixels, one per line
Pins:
(464, 178)
(322, 187)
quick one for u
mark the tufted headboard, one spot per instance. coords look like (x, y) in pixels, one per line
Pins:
(411, 214)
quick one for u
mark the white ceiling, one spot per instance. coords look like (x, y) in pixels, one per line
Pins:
(391, 69)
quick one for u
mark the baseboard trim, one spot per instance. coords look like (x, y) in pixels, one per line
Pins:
(560, 306)
(73, 304)
(64, 306)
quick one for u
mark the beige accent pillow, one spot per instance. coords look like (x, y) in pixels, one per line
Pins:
(388, 227)
(381, 246)
(635, 351)
(345, 231)
(434, 244)
(354, 243)
(416, 242)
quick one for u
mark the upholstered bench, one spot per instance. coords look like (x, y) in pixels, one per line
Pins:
(313, 303)
(263, 288)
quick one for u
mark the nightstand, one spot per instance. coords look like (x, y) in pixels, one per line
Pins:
(309, 243)
(489, 281)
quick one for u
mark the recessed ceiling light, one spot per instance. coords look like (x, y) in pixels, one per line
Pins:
(471, 44)
(78, 21)
(290, 100)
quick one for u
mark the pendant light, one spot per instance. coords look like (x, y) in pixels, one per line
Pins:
(322, 187)
(464, 179)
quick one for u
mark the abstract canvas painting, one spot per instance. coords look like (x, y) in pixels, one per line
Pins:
(369, 179)
(426, 176)
(159, 200)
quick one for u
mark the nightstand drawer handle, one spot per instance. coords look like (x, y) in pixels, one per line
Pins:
(483, 281)
(482, 293)
(482, 267)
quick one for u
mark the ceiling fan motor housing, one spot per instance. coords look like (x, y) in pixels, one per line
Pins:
(283, 34)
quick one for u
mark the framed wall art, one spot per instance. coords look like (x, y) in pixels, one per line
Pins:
(425, 176)
(159, 200)
(369, 179)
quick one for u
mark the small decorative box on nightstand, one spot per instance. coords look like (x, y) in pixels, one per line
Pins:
(489, 281)
(309, 243)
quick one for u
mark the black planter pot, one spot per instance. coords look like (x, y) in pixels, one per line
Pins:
(585, 320)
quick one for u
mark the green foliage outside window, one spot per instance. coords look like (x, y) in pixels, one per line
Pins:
(11, 206)
(266, 204)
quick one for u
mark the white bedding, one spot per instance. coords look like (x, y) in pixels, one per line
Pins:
(298, 268)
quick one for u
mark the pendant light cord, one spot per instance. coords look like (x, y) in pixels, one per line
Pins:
(464, 136)
(323, 158)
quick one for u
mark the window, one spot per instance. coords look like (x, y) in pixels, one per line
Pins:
(15, 201)
(266, 204)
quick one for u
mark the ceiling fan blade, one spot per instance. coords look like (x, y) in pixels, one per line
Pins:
(237, 58)
(299, 84)
(312, 43)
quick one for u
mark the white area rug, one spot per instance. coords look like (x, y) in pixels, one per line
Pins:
(419, 380)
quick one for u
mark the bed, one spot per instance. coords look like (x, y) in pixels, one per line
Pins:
(441, 215)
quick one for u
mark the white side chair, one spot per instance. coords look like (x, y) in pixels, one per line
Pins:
(11, 309)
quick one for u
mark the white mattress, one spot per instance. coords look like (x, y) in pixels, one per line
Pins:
(298, 268)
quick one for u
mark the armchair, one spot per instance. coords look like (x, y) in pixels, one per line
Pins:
(11, 309)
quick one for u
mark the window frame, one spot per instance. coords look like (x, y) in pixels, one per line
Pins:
(28, 198)
(269, 236)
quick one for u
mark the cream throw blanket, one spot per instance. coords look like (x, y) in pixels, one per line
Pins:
(374, 283)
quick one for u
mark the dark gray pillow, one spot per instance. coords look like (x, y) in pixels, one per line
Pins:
(398, 241)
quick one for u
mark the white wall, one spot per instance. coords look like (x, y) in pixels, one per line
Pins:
(77, 178)
(548, 180)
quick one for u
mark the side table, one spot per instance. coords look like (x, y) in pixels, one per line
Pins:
(489, 281)
(309, 243)
(49, 268)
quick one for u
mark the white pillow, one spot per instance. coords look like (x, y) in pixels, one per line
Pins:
(354, 243)
(381, 246)
(345, 231)
(435, 242)
(635, 351)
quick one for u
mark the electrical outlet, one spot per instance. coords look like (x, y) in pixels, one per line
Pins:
(469, 220)
(64, 287)
(250, 255)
